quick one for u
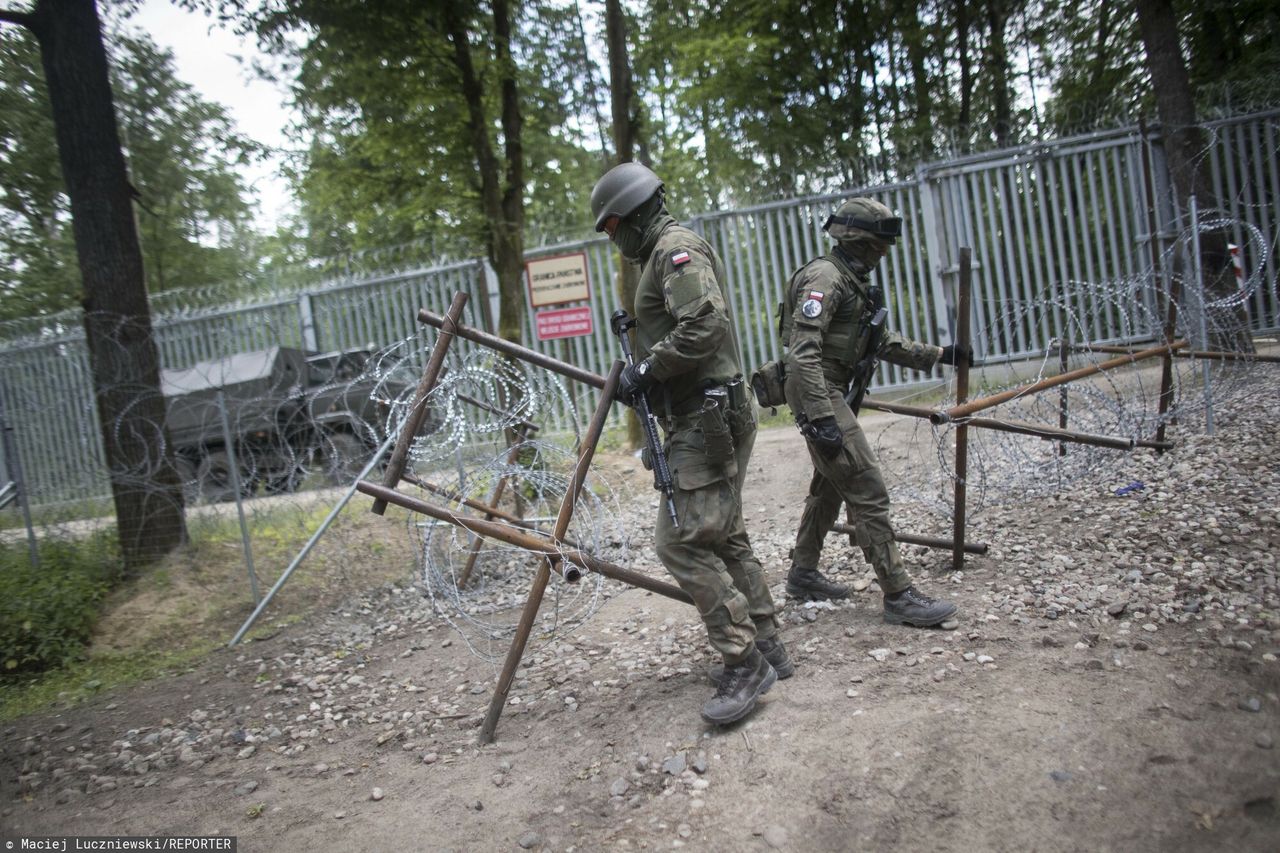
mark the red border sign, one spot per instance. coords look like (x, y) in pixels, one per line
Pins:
(563, 323)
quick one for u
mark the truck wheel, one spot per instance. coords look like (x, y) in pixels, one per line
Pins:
(347, 458)
(215, 478)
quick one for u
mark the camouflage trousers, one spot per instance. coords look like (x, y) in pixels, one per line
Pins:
(851, 477)
(709, 554)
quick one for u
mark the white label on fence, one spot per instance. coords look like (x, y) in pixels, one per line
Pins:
(558, 279)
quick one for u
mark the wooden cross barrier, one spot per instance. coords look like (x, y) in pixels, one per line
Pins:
(418, 410)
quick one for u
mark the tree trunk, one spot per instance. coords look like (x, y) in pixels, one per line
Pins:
(509, 250)
(998, 68)
(117, 318)
(917, 58)
(624, 139)
(966, 73)
(501, 190)
(1184, 145)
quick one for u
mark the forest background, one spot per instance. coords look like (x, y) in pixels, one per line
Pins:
(406, 146)
(427, 132)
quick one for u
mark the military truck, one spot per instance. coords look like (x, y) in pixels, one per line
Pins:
(290, 413)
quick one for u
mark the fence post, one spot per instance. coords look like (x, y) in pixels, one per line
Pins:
(935, 247)
(13, 470)
(307, 319)
(1202, 307)
(233, 471)
(490, 287)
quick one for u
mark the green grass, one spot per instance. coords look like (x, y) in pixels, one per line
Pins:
(80, 680)
(76, 626)
(47, 612)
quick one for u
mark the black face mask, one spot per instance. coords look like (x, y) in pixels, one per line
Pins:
(866, 252)
(629, 238)
(633, 231)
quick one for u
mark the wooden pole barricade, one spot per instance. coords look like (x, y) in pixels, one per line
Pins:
(528, 541)
(490, 511)
(418, 411)
(962, 394)
(964, 410)
(913, 539)
(1170, 292)
(1048, 433)
(476, 336)
(543, 575)
(1208, 355)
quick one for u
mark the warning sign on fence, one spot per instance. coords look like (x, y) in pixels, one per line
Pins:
(564, 323)
(558, 279)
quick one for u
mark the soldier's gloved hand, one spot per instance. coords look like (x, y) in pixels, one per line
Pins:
(634, 381)
(825, 435)
(956, 355)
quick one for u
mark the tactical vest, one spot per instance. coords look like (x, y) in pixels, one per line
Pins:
(850, 325)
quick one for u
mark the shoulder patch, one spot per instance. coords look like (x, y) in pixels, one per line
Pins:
(811, 307)
(679, 259)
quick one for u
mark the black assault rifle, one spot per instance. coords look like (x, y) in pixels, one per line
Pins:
(866, 368)
(620, 323)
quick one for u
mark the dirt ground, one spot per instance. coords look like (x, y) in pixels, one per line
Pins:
(1014, 731)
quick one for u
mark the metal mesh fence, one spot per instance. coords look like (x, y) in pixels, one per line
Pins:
(1045, 221)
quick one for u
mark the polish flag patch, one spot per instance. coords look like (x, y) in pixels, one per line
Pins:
(817, 294)
(679, 259)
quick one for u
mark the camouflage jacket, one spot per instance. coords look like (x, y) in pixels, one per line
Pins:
(683, 322)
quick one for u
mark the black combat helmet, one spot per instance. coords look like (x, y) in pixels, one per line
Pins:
(622, 189)
(863, 214)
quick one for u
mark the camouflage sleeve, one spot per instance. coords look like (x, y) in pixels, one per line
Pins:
(694, 299)
(905, 352)
(813, 299)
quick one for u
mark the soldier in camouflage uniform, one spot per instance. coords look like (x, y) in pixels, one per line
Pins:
(687, 364)
(826, 325)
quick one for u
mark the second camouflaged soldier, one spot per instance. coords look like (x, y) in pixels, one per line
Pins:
(832, 325)
(687, 363)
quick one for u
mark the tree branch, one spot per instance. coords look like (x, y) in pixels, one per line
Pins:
(24, 19)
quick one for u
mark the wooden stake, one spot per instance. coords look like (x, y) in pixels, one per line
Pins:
(964, 410)
(543, 576)
(962, 394)
(418, 411)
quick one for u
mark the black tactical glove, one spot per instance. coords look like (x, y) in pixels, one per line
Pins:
(825, 435)
(635, 380)
(955, 355)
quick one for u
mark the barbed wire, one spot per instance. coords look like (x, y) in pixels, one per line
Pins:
(1123, 401)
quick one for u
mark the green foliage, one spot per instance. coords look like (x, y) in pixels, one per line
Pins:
(1231, 43)
(387, 155)
(183, 154)
(48, 613)
(194, 221)
(1093, 53)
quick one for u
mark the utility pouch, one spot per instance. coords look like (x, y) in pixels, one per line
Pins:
(717, 441)
(768, 383)
(742, 414)
(737, 391)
